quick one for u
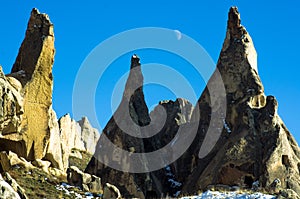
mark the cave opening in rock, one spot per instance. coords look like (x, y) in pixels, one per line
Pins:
(285, 160)
(248, 181)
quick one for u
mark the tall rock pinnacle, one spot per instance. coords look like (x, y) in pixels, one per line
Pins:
(255, 145)
(33, 68)
(131, 115)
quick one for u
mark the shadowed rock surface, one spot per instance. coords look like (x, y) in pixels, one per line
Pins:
(253, 145)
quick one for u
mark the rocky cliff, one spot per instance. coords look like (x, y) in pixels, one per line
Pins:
(31, 81)
(255, 145)
(252, 149)
(28, 124)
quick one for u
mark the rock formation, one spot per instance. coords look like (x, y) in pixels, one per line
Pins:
(11, 110)
(89, 135)
(33, 69)
(254, 148)
(28, 124)
(255, 145)
(132, 108)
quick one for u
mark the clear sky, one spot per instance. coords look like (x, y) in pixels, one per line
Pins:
(81, 25)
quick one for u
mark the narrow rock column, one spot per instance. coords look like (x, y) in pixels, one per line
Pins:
(33, 68)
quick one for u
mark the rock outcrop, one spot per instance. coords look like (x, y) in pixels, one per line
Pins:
(28, 93)
(28, 124)
(131, 113)
(255, 145)
(89, 135)
(253, 148)
(69, 133)
(11, 111)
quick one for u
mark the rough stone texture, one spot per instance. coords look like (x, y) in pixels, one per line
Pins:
(33, 68)
(11, 111)
(131, 185)
(6, 191)
(10, 159)
(89, 135)
(69, 134)
(54, 148)
(42, 164)
(255, 145)
(90, 183)
(111, 192)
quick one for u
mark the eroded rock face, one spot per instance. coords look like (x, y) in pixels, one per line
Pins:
(33, 68)
(255, 145)
(132, 108)
(89, 135)
(11, 111)
(69, 133)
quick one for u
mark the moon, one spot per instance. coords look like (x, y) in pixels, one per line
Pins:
(178, 34)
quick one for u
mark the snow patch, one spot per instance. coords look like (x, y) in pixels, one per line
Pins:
(226, 126)
(230, 195)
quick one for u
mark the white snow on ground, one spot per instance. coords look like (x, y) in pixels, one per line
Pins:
(229, 195)
(226, 126)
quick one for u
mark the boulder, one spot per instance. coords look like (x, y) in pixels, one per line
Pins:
(42, 164)
(83, 180)
(111, 191)
(61, 175)
(10, 159)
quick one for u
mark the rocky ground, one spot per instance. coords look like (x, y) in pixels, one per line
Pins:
(39, 184)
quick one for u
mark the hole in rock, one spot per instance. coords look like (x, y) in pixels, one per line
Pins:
(248, 181)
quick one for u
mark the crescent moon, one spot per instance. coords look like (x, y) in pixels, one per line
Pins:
(178, 34)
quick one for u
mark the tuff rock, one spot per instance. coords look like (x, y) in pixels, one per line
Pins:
(69, 133)
(131, 109)
(89, 135)
(253, 146)
(28, 124)
(85, 181)
(27, 119)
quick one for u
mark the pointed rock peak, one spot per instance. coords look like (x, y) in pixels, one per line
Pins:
(37, 48)
(40, 21)
(238, 59)
(234, 19)
(135, 61)
(84, 122)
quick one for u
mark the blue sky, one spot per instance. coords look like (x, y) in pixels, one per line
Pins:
(81, 25)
